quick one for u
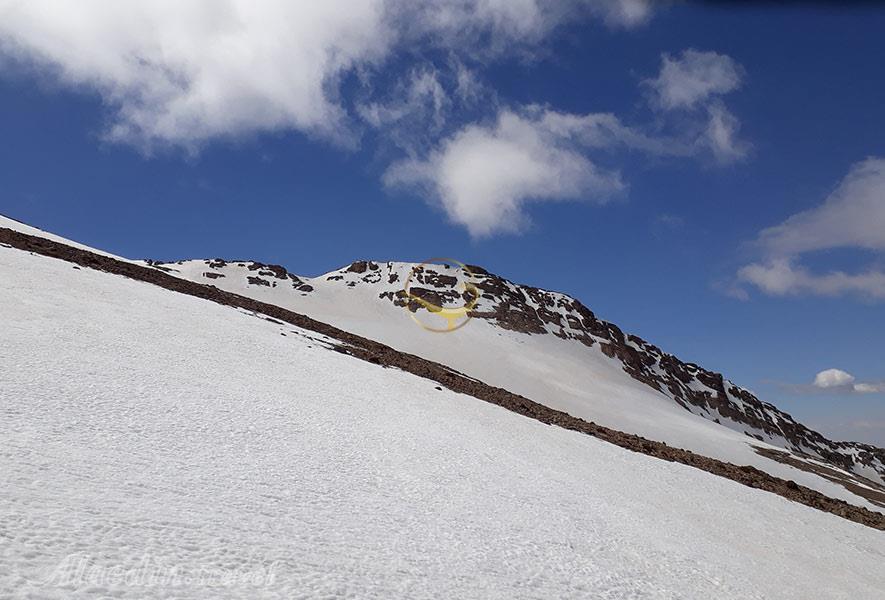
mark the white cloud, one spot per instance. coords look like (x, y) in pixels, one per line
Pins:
(484, 175)
(518, 20)
(851, 217)
(831, 378)
(605, 130)
(469, 88)
(506, 19)
(869, 388)
(693, 78)
(423, 93)
(780, 277)
(430, 101)
(184, 72)
(624, 13)
(840, 381)
(181, 73)
(414, 112)
(670, 221)
(694, 82)
(721, 135)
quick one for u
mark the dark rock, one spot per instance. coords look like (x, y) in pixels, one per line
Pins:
(359, 266)
(258, 281)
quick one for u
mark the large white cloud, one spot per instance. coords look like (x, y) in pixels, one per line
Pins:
(182, 72)
(853, 216)
(484, 175)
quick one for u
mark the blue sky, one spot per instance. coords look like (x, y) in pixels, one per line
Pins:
(707, 177)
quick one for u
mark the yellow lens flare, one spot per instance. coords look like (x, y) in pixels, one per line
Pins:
(452, 315)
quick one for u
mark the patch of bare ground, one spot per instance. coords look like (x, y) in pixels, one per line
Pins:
(855, 484)
(380, 354)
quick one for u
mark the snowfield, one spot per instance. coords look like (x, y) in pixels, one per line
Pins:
(562, 374)
(143, 431)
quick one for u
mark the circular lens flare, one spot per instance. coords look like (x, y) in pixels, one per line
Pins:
(455, 317)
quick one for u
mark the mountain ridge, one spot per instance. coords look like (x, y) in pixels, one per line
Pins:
(380, 354)
(148, 415)
(555, 351)
(532, 310)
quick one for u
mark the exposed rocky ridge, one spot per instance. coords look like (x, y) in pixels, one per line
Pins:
(381, 354)
(534, 311)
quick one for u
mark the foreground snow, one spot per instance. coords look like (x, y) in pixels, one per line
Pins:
(145, 430)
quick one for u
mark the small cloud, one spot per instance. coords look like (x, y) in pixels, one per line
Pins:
(832, 381)
(722, 135)
(468, 88)
(626, 13)
(695, 82)
(422, 94)
(730, 289)
(833, 378)
(690, 79)
(841, 381)
(415, 111)
(868, 388)
(670, 221)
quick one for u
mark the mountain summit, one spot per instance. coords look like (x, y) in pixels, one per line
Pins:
(550, 347)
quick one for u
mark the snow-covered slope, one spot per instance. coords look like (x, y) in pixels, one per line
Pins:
(8, 223)
(549, 347)
(168, 446)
